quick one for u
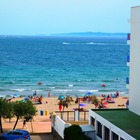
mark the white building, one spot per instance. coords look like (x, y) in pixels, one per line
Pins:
(134, 79)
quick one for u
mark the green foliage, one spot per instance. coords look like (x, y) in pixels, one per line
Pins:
(74, 132)
(3, 105)
(24, 109)
(66, 102)
(9, 110)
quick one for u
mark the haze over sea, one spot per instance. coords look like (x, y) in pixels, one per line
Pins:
(65, 65)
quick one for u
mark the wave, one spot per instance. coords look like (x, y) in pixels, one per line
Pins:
(106, 90)
(63, 90)
(92, 43)
(20, 90)
(70, 85)
(108, 80)
(85, 91)
(66, 43)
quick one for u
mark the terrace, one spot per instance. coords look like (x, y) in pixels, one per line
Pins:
(123, 119)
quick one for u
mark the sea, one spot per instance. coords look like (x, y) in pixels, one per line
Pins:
(63, 65)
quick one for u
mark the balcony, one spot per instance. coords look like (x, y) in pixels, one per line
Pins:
(128, 38)
(128, 60)
(127, 82)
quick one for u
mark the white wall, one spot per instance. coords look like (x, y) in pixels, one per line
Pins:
(134, 84)
(60, 125)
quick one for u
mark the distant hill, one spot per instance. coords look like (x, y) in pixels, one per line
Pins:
(93, 34)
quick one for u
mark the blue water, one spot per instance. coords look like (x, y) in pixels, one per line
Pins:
(64, 65)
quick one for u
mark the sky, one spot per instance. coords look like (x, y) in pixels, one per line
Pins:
(45, 17)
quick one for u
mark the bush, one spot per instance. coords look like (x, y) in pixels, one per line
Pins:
(74, 132)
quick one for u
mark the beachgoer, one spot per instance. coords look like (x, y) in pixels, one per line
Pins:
(40, 99)
(117, 93)
(34, 94)
(60, 107)
(24, 124)
(108, 97)
(49, 94)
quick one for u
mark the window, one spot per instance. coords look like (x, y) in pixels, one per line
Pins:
(17, 133)
(99, 129)
(115, 136)
(92, 121)
(107, 134)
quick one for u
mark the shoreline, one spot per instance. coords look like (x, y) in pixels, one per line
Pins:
(45, 93)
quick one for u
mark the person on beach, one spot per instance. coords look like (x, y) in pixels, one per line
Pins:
(24, 124)
(34, 94)
(117, 93)
(40, 99)
(60, 107)
(49, 94)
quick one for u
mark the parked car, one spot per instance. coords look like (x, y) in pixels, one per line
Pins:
(1, 138)
(17, 134)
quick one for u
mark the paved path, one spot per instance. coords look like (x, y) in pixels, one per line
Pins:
(42, 137)
(40, 128)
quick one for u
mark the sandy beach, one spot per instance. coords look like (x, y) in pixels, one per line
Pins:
(52, 104)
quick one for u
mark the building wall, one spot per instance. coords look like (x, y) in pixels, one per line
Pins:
(134, 84)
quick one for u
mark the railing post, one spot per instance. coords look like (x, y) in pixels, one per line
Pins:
(84, 115)
(74, 115)
(67, 115)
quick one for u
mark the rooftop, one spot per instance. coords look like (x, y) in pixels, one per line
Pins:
(122, 118)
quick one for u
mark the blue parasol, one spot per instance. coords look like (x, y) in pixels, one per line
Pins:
(61, 97)
(15, 95)
(89, 93)
(26, 99)
(82, 104)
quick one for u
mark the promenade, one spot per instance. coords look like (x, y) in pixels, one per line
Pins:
(39, 128)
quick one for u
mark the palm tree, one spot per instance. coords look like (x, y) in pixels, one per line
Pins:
(95, 101)
(69, 99)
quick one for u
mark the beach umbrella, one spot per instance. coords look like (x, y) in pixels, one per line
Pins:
(82, 104)
(15, 95)
(61, 97)
(89, 93)
(26, 99)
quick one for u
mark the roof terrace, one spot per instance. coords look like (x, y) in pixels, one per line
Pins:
(124, 119)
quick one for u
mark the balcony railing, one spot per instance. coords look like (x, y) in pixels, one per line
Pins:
(70, 115)
(127, 82)
(128, 38)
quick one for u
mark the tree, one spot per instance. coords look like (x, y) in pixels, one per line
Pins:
(9, 113)
(3, 104)
(94, 101)
(66, 102)
(74, 132)
(23, 109)
(69, 99)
